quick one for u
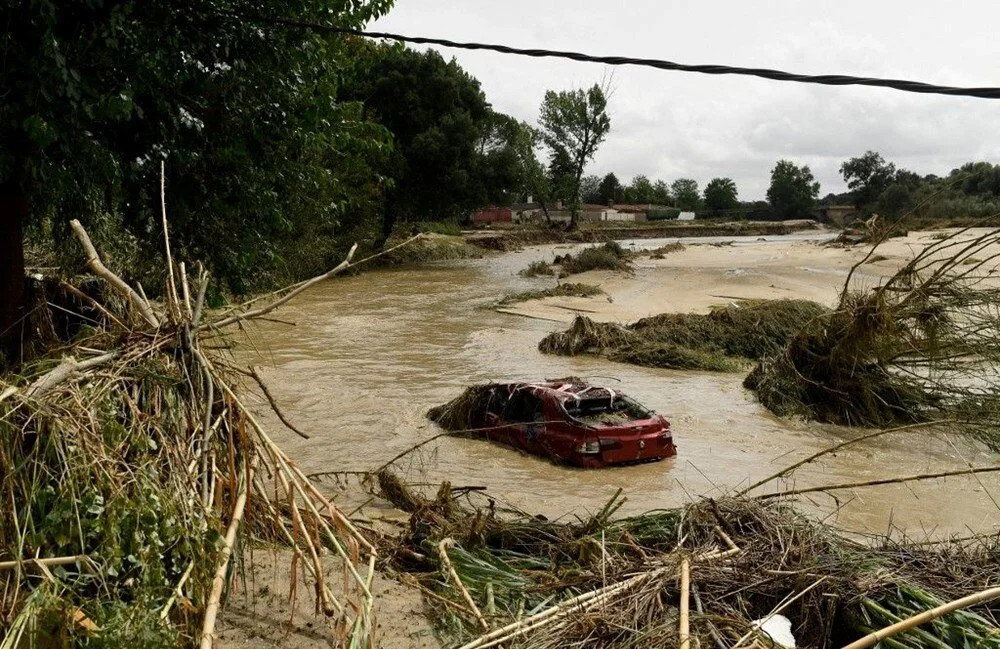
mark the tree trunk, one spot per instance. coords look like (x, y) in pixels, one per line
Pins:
(13, 213)
(545, 211)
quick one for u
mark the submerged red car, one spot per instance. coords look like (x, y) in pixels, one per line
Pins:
(569, 421)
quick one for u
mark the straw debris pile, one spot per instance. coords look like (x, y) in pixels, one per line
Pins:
(132, 475)
(726, 339)
(923, 345)
(694, 576)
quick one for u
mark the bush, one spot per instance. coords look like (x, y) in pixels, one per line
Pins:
(610, 256)
(537, 268)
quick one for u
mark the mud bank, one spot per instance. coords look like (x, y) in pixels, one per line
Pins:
(512, 237)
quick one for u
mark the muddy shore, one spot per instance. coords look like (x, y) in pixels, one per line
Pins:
(508, 237)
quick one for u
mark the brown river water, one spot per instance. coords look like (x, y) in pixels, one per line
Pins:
(369, 354)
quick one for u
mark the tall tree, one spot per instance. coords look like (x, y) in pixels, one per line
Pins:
(720, 195)
(793, 190)
(640, 190)
(610, 190)
(686, 196)
(438, 117)
(590, 189)
(867, 176)
(506, 162)
(97, 93)
(573, 124)
(661, 193)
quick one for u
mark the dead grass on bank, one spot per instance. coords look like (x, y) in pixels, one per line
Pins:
(502, 577)
(132, 475)
(925, 344)
(726, 339)
(663, 251)
(608, 256)
(566, 289)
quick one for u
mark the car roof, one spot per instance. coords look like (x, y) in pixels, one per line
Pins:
(566, 389)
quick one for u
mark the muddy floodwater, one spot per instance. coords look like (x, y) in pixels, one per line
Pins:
(369, 354)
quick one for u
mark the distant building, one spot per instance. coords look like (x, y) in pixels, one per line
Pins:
(604, 213)
(492, 215)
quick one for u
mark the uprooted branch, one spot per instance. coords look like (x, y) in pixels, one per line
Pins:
(137, 451)
(923, 345)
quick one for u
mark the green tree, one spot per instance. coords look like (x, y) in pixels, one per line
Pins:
(720, 194)
(661, 193)
(610, 190)
(867, 176)
(640, 190)
(793, 190)
(506, 164)
(685, 192)
(97, 93)
(439, 120)
(590, 189)
(573, 124)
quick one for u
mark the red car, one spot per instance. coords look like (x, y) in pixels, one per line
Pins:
(569, 421)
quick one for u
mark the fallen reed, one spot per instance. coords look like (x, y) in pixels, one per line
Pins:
(133, 474)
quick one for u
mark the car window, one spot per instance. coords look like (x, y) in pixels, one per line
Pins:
(523, 406)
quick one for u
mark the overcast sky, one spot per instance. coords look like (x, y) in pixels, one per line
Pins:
(673, 124)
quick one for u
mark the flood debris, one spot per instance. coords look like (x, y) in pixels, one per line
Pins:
(922, 345)
(569, 421)
(565, 289)
(537, 269)
(721, 573)
(726, 339)
(663, 251)
(133, 476)
(607, 256)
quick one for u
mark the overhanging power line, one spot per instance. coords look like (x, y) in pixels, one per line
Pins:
(659, 64)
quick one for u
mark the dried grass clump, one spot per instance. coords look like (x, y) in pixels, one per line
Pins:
(504, 577)
(725, 339)
(923, 345)
(467, 409)
(663, 251)
(568, 289)
(537, 269)
(609, 256)
(132, 475)
(429, 247)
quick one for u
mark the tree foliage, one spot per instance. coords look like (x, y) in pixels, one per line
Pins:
(97, 94)
(573, 124)
(867, 175)
(685, 192)
(611, 190)
(640, 190)
(793, 190)
(590, 189)
(441, 127)
(721, 194)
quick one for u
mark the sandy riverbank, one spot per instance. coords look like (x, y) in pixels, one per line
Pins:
(707, 274)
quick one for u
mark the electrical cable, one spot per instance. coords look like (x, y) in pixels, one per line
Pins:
(764, 73)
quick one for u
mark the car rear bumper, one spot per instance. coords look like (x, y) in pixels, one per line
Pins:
(646, 448)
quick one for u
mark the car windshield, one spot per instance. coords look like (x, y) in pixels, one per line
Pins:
(607, 410)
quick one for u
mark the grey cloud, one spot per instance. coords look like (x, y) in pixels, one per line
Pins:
(667, 125)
